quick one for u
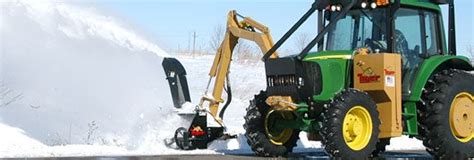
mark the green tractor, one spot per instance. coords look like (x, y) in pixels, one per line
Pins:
(382, 69)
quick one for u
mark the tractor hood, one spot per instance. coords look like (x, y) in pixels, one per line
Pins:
(332, 70)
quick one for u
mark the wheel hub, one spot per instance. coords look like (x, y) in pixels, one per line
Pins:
(462, 117)
(354, 127)
(357, 128)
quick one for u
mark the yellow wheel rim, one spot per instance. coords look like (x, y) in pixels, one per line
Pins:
(461, 117)
(357, 128)
(277, 136)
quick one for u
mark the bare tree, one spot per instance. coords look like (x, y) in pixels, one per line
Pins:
(216, 37)
(301, 41)
(92, 127)
(246, 52)
(8, 96)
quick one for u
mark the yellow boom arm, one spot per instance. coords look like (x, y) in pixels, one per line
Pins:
(247, 29)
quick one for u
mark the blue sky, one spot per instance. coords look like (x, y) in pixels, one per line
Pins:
(171, 22)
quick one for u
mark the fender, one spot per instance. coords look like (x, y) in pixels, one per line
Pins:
(431, 66)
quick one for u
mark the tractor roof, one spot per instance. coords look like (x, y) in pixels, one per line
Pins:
(428, 4)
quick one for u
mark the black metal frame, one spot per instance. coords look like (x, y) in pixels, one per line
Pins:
(452, 25)
(391, 25)
(424, 47)
(452, 29)
(289, 76)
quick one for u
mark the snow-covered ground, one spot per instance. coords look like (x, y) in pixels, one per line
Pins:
(246, 81)
(75, 82)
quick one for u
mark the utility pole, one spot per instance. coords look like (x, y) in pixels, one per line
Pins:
(194, 43)
(189, 44)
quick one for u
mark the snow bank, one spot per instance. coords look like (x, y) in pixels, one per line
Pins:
(15, 143)
(70, 75)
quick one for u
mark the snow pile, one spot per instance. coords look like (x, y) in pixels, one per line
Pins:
(70, 75)
(15, 143)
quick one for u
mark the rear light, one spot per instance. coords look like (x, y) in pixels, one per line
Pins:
(363, 5)
(382, 2)
(374, 3)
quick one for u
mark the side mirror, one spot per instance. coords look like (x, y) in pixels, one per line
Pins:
(327, 15)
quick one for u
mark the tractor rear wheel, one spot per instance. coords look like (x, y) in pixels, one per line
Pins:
(262, 138)
(447, 118)
(350, 126)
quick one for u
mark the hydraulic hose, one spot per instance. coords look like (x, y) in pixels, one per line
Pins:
(229, 98)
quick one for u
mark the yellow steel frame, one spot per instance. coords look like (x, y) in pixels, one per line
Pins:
(248, 29)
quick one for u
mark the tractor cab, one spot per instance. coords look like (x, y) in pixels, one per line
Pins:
(416, 33)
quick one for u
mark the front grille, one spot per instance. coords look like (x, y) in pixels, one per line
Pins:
(290, 77)
(313, 77)
(283, 80)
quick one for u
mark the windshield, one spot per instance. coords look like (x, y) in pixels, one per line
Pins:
(359, 28)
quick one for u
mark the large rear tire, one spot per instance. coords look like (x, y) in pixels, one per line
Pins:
(350, 126)
(447, 118)
(261, 138)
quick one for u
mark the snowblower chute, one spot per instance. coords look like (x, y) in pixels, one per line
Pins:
(176, 76)
(207, 124)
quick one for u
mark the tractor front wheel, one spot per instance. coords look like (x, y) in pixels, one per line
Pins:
(350, 125)
(264, 139)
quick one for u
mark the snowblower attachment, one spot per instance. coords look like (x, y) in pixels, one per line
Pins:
(199, 134)
(176, 76)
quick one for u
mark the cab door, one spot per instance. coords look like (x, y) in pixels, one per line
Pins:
(416, 37)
